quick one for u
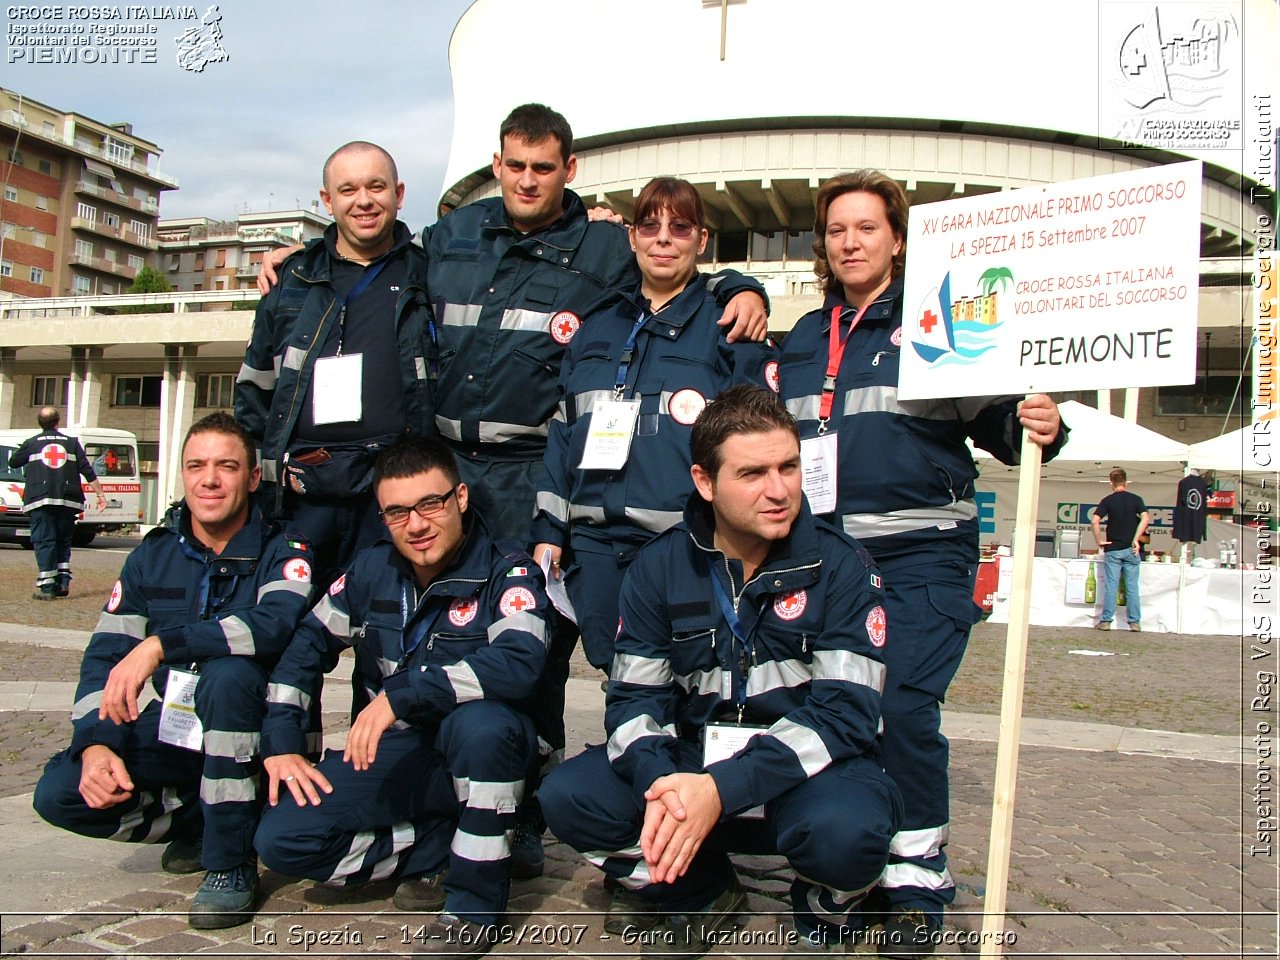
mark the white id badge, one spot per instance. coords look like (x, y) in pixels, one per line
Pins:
(818, 466)
(720, 741)
(336, 385)
(179, 725)
(613, 423)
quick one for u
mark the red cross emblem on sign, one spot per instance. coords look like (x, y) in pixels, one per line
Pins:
(516, 600)
(54, 455)
(564, 325)
(928, 321)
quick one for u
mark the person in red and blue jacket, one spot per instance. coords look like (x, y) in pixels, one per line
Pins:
(657, 348)
(904, 488)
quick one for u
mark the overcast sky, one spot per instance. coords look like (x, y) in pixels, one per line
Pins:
(302, 77)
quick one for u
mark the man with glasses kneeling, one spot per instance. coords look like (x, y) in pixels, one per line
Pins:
(450, 633)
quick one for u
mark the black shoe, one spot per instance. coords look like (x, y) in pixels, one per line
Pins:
(61, 590)
(450, 936)
(628, 911)
(225, 899)
(527, 858)
(910, 933)
(44, 595)
(182, 856)
(682, 936)
(420, 894)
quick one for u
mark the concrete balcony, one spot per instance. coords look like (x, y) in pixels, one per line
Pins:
(121, 233)
(103, 265)
(112, 196)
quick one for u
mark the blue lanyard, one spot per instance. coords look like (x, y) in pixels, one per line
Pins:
(735, 627)
(370, 275)
(411, 643)
(620, 379)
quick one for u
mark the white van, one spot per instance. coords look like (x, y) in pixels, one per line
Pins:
(114, 455)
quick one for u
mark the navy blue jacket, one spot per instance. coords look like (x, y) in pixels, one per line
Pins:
(906, 477)
(814, 614)
(477, 632)
(293, 323)
(243, 602)
(507, 304)
(680, 354)
(55, 463)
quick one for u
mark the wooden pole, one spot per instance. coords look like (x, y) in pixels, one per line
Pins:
(1015, 667)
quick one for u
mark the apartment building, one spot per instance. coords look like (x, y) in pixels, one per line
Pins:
(80, 203)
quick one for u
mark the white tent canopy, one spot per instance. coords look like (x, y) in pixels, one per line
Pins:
(1252, 448)
(1103, 440)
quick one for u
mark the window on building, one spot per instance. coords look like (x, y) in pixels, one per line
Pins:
(173, 263)
(149, 450)
(215, 390)
(87, 212)
(49, 391)
(1215, 395)
(37, 275)
(108, 289)
(110, 219)
(81, 286)
(221, 257)
(8, 229)
(136, 262)
(767, 246)
(109, 255)
(118, 151)
(6, 268)
(11, 193)
(137, 391)
(731, 247)
(38, 238)
(199, 263)
(84, 249)
(43, 203)
(800, 245)
(143, 230)
(47, 128)
(46, 167)
(15, 156)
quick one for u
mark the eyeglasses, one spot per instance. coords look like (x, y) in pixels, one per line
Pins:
(428, 506)
(652, 226)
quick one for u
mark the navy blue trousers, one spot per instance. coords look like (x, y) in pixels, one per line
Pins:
(51, 531)
(432, 798)
(834, 829)
(179, 793)
(930, 611)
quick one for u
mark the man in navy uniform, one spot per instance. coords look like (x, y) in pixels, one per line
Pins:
(210, 597)
(52, 498)
(743, 706)
(450, 634)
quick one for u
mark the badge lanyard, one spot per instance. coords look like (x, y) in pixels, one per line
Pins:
(410, 644)
(620, 379)
(735, 627)
(370, 275)
(835, 353)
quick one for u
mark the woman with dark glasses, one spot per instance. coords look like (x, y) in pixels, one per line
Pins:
(634, 379)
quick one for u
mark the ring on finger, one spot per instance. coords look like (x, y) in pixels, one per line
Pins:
(289, 778)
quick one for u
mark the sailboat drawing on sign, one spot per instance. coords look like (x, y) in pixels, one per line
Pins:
(934, 335)
(958, 331)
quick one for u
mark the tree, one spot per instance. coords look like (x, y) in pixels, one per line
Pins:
(147, 280)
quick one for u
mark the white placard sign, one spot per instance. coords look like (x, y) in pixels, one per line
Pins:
(1083, 285)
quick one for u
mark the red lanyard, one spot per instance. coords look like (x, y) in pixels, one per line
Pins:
(835, 353)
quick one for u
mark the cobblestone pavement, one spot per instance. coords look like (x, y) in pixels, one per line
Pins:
(1113, 854)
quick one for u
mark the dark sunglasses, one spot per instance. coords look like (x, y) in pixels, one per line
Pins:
(652, 226)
